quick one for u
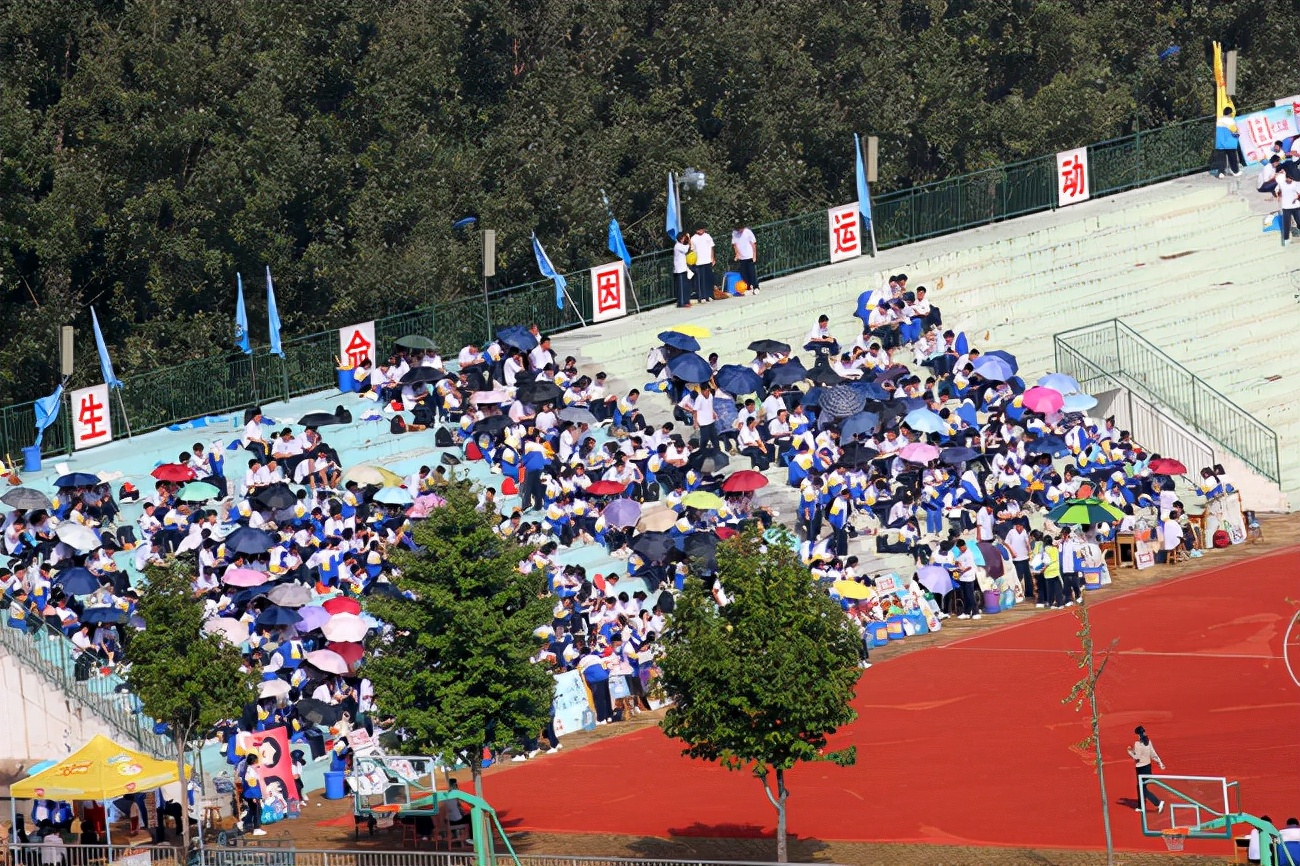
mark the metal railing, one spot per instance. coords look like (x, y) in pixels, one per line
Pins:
(95, 855)
(232, 382)
(1113, 351)
(248, 856)
(49, 653)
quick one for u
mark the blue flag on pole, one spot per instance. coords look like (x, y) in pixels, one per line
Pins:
(47, 410)
(241, 319)
(105, 362)
(864, 193)
(272, 316)
(673, 225)
(548, 270)
(616, 244)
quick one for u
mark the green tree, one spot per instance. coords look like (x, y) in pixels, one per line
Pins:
(455, 674)
(762, 682)
(183, 677)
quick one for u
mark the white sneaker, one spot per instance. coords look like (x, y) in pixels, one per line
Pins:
(534, 753)
(557, 748)
(963, 616)
(518, 759)
(865, 665)
(1040, 605)
(259, 832)
(754, 291)
(1069, 603)
(976, 616)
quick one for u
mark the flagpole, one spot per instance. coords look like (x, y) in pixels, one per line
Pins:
(576, 311)
(871, 227)
(631, 288)
(125, 419)
(627, 269)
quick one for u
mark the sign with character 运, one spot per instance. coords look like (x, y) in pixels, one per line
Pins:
(845, 226)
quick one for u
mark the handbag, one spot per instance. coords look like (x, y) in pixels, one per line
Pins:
(618, 688)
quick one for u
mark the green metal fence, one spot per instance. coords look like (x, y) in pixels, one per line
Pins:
(1116, 350)
(217, 385)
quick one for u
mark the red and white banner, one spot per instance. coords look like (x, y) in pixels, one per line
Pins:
(91, 425)
(1072, 177)
(845, 226)
(357, 344)
(608, 292)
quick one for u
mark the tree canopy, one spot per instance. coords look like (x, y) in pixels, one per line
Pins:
(148, 151)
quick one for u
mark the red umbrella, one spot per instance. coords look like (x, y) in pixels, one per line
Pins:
(744, 481)
(725, 532)
(342, 604)
(605, 488)
(1167, 466)
(351, 652)
(174, 472)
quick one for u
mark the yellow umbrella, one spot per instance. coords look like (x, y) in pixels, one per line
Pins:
(851, 589)
(703, 499)
(699, 332)
(656, 521)
(391, 479)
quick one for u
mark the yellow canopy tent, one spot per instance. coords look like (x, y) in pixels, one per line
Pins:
(99, 770)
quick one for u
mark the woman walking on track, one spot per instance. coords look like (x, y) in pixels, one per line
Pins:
(1143, 753)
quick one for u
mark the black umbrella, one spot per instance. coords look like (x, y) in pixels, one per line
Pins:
(653, 545)
(856, 452)
(27, 499)
(422, 375)
(953, 456)
(248, 540)
(415, 341)
(703, 547)
(385, 589)
(708, 460)
(892, 372)
(678, 340)
(275, 496)
(491, 425)
(822, 374)
(540, 392)
(319, 419)
(318, 712)
(786, 374)
(77, 479)
(770, 347)
(842, 401)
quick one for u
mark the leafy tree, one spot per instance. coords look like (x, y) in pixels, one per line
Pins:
(762, 682)
(456, 674)
(1083, 694)
(183, 677)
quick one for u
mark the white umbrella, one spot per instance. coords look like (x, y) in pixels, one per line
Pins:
(77, 536)
(290, 595)
(364, 475)
(328, 661)
(345, 628)
(483, 398)
(276, 688)
(231, 629)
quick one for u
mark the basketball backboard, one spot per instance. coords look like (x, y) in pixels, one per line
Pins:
(1189, 801)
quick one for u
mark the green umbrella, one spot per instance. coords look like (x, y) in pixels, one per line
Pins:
(1084, 511)
(415, 341)
(198, 491)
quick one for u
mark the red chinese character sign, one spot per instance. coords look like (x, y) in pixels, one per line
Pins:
(845, 232)
(1072, 177)
(357, 344)
(91, 425)
(608, 292)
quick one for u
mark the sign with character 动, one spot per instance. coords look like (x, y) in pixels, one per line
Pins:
(91, 424)
(608, 292)
(1072, 177)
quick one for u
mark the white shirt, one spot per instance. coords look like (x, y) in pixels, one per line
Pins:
(679, 257)
(984, 523)
(1018, 543)
(539, 357)
(1290, 194)
(253, 429)
(704, 413)
(702, 243)
(745, 243)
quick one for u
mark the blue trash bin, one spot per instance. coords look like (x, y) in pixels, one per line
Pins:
(347, 381)
(32, 458)
(334, 787)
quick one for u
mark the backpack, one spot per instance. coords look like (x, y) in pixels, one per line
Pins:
(442, 438)
(1221, 539)
(397, 424)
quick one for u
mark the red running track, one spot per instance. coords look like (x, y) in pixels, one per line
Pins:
(969, 743)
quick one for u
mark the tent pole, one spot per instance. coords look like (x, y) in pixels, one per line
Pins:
(108, 830)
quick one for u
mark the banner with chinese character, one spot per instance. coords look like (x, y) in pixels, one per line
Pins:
(845, 225)
(275, 772)
(608, 292)
(1293, 101)
(357, 344)
(1072, 177)
(90, 422)
(571, 700)
(1260, 129)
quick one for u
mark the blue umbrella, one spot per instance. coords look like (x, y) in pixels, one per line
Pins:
(993, 369)
(85, 479)
(812, 397)
(393, 496)
(690, 368)
(622, 512)
(77, 581)
(1005, 356)
(787, 374)
(244, 596)
(519, 337)
(677, 340)
(870, 390)
(737, 380)
(1053, 445)
(935, 578)
(278, 616)
(1061, 383)
(247, 540)
(953, 456)
(104, 615)
(861, 423)
(924, 421)
(910, 403)
(1079, 402)
(865, 306)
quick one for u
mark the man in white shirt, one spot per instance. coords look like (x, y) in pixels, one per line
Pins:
(966, 580)
(541, 355)
(705, 259)
(745, 248)
(706, 418)
(1289, 192)
(256, 443)
(1017, 541)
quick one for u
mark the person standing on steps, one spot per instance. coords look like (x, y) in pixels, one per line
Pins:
(744, 247)
(681, 271)
(1289, 194)
(1143, 753)
(1225, 145)
(705, 259)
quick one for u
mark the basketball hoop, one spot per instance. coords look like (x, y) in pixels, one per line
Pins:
(1174, 838)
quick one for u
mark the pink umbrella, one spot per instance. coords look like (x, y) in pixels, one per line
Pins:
(1044, 400)
(328, 661)
(919, 452)
(424, 504)
(244, 577)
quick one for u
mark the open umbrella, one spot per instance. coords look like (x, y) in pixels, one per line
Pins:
(925, 421)
(690, 367)
(812, 397)
(606, 488)
(744, 481)
(275, 497)
(919, 452)
(935, 578)
(656, 521)
(992, 368)
(290, 595)
(1081, 512)
(229, 628)
(953, 456)
(313, 617)
(173, 472)
(318, 712)
(517, 336)
(248, 540)
(576, 415)
(709, 460)
(1009, 358)
(366, 476)
(770, 347)
(320, 419)
(394, 496)
(342, 604)
(416, 341)
(77, 581)
(1060, 383)
(1044, 400)
(737, 380)
(653, 546)
(1053, 445)
(276, 616)
(244, 596)
(622, 512)
(1076, 402)
(851, 589)
(345, 627)
(870, 390)
(328, 661)
(27, 499)
(821, 374)
(703, 500)
(77, 536)
(842, 401)
(1167, 466)
(244, 577)
(699, 332)
(855, 453)
(863, 423)
(491, 425)
(702, 546)
(104, 616)
(422, 376)
(993, 562)
(198, 491)
(678, 340)
(786, 373)
(540, 392)
(276, 688)
(76, 479)
(351, 652)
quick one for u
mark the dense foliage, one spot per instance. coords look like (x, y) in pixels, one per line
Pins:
(149, 150)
